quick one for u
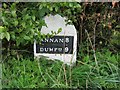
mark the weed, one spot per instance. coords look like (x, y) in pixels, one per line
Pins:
(42, 73)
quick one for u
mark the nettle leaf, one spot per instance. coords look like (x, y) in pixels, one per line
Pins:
(15, 22)
(56, 9)
(13, 13)
(51, 8)
(4, 5)
(2, 35)
(26, 17)
(24, 11)
(2, 29)
(7, 35)
(26, 37)
(42, 23)
(13, 6)
(33, 17)
(4, 20)
(42, 12)
(23, 24)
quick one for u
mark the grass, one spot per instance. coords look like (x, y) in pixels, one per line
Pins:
(42, 73)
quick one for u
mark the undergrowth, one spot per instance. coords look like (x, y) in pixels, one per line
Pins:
(42, 73)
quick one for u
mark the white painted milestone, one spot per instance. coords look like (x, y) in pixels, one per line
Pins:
(62, 46)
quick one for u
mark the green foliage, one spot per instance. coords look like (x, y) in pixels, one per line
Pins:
(28, 73)
(4, 33)
(42, 73)
(23, 22)
(69, 9)
(22, 25)
(96, 68)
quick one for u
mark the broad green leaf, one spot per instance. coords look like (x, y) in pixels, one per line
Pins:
(23, 24)
(70, 5)
(4, 20)
(33, 17)
(2, 29)
(26, 37)
(7, 36)
(2, 35)
(13, 35)
(51, 8)
(59, 30)
(13, 13)
(56, 9)
(15, 22)
(13, 6)
(42, 12)
(26, 17)
(4, 5)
